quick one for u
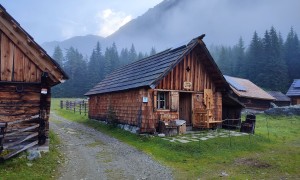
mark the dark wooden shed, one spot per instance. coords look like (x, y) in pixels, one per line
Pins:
(294, 92)
(27, 74)
(280, 98)
(249, 94)
(179, 83)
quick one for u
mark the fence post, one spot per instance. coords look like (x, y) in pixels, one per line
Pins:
(74, 104)
(67, 105)
(61, 104)
(80, 108)
(85, 108)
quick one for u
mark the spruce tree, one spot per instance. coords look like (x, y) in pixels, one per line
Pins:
(58, 91)
(292, 55)
(253, 59)
(152, 51)
(124, 56)
(58, 56)
(132, 54)
(238, 58)
(108, 62)
(95, 66)
(76, 68)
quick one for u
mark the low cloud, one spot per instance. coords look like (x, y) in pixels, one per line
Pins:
(110, 21)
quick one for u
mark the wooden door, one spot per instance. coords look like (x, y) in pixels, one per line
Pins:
(185, 107)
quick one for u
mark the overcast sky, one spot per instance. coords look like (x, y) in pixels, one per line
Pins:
(49, 20)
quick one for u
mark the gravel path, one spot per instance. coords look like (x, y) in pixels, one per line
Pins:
(91, 154)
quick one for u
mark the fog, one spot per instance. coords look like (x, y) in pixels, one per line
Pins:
(223, 22)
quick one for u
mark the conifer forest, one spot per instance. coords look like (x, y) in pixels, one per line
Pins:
(269, 60)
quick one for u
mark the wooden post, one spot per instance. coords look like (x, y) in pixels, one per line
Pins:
(43, 108)
(74, 104)
(80, 108)
(85, 108)
(67, 105)
(3, 127)
(61, 104)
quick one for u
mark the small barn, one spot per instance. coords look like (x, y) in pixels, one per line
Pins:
(280, 98)
(182, 83)
(27, 74)
(249, 94)
(294, 92)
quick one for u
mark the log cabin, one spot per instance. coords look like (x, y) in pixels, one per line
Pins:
(27, 74)
(294, 92)
(280, 98)
(249, 94)
(182, 83)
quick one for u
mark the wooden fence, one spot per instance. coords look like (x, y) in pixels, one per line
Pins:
(20, 135)
(77, 106)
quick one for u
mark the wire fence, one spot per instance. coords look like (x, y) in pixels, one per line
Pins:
(77, 106)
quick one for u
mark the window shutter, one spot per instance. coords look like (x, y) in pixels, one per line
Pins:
(174, 101)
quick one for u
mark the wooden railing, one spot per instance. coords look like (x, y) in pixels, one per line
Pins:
(18, 136)
(77, 106)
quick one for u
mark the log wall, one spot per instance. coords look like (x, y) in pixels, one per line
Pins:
(295, 100)
(256, 104)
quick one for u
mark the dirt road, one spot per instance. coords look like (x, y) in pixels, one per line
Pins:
(93, 155)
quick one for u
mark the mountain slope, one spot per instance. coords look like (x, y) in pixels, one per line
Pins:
(173, 22)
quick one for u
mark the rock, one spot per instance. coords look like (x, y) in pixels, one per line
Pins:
(29, 164)
(161, 135)
(223, 174)
(34, 154)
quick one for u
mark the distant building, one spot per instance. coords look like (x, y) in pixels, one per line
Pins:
(249, 94)
(280, 98)
(294, 92)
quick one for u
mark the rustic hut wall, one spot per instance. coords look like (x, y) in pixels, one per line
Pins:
(256, 104)
(283, 103)
(127, 106)
(190, 71)
(21, 101)
(20, 86)
(191, 75)
(295, 100)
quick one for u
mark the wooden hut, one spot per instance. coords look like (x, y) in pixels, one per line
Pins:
(27, 74)
(294, 92)
(280, 98)
(178, 83)
(249, 94)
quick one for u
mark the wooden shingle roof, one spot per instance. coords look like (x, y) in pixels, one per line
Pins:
(146, 72)
(245, 88)
(279, 96)
(294, 89)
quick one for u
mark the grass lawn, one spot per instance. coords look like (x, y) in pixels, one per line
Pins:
(272, 153)
(43, 168)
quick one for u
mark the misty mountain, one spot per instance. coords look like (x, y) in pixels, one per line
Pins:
(84, 44)
(173, 22)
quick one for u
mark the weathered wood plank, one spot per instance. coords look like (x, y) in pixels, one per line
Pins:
(7, 57)
(19, 65)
